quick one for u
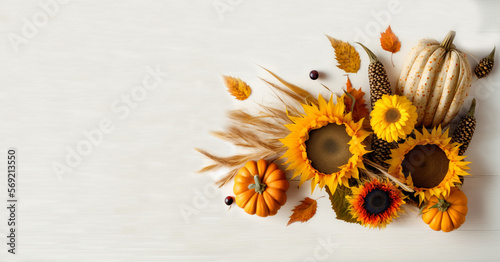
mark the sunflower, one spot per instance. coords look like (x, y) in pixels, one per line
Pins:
(429, 163)
(393, 117)
(375, 203)
(325, 145)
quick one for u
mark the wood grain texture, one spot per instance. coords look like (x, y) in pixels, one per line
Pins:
(124, 201)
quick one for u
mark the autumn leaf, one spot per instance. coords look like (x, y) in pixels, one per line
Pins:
(236, 87)
(340, 204)
(390, 42)
(360, 110)
(304, 211)
(346, 55)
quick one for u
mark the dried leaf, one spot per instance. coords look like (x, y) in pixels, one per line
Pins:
(304, 211)
(236, 87)
(340, 204)
(390, 42)
(360, 110)
(348, 84)
(346, 55)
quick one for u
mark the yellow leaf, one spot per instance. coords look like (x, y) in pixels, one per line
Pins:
(236, 87)
(346, 55)
(304, 211)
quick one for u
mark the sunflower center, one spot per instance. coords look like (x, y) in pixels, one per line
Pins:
(392, 115)
(427, 164)
(377, 201)
(328, 148)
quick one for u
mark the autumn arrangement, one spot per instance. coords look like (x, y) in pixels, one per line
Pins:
(371, 163)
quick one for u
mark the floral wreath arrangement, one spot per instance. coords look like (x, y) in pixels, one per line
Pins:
(370, 164)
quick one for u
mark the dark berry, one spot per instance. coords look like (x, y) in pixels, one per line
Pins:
(314, 75)
(229, 200)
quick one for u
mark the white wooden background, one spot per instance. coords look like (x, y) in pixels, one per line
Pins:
(135, 196)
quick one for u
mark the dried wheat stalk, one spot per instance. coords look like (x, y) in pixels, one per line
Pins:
(259, 133)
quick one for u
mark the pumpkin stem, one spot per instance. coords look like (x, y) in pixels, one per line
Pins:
(448, 40)
(442, 205)
(371, 55)
(258, 186)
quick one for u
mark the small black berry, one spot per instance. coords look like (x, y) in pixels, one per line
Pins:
(229, 200)
(314, 75)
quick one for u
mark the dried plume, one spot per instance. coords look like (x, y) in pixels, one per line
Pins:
(259, 134)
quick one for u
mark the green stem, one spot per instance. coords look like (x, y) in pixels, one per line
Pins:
(371, 55)
(472, 108)
(448, 40)
(442, 205)
(353, 101)
(492, 55)
(258, 186)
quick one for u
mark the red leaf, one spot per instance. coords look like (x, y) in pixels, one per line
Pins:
(360, 110)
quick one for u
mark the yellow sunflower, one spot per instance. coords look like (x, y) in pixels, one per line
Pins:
(375, 203)
(325, 145)
(393, 117)
(429, 163)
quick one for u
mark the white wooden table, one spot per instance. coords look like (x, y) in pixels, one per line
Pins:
(105, 101)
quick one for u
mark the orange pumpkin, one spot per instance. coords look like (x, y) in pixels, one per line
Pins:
(260, 188)
(448, 213)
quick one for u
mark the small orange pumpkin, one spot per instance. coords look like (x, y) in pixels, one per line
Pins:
(446, 214)
(260, 188)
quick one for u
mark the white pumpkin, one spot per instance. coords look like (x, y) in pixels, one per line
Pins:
(437, 79)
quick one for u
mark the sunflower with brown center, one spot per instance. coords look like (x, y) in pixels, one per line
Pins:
(375, 203)
(429, 163)
(325, 145)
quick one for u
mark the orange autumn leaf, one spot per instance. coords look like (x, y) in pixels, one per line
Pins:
(236, 87)
(346, 55)
(304, 211)
(389, 41)
(360, 110)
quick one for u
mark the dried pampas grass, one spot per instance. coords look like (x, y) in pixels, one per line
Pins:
(259, 133)
(384, 174)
